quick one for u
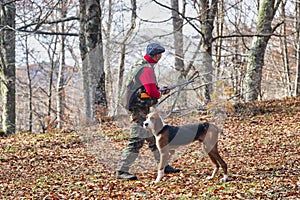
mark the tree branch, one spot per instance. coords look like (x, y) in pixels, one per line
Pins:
(187, 19)
(50, 22)
(247, 35)
(37, 32)
(154, 22)
(9, 2)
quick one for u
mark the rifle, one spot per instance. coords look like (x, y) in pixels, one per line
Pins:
(175, 86)
(146, 96)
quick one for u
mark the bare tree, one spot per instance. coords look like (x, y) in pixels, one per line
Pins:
(7, 66)
(297, 26)
(46, 77)
(208, 11)
(178, 37)
(219, 32)
(60, 103)
(91, 48)
(30, 90)
(107, 57)
(267, 10)
(285, 56)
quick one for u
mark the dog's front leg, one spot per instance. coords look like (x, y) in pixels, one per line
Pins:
(164, 155)
(213, 174)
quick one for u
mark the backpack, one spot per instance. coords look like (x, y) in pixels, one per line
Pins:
(130, 93)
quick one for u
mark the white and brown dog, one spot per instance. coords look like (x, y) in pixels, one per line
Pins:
(168, 138)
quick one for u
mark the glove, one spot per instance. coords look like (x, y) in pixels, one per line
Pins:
(165, 91)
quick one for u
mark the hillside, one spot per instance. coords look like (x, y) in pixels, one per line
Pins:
(261, 148)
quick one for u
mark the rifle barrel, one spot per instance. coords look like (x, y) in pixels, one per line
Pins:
(177, 85)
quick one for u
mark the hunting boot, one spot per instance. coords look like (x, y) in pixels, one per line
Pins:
(169, 169)
(126, 176)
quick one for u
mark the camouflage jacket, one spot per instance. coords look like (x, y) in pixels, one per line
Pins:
(133, 88)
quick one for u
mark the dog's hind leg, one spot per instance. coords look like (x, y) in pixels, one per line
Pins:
(210, 148)
(215, 162)
(171, 153)
(223, 165)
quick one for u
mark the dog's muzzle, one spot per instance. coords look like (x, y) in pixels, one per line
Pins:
(145, 124)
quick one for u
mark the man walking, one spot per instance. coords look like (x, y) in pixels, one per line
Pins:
(141, 92)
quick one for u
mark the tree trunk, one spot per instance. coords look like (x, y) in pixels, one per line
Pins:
(297, 80)
(219, 32)
(7, 66)
(107, 54)
(178, 46)
(60, 102)
(207, 17)
(256, 54)
(178, 38)
(91, 48)
(30, 92)
(285, 56)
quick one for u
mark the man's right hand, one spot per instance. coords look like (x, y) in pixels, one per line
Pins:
(165, 90)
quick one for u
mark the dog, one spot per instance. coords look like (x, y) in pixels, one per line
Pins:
(168, 138)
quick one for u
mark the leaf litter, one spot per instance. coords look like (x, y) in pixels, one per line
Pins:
(261, 147)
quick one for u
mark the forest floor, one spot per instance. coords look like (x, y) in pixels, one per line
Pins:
(261, 147)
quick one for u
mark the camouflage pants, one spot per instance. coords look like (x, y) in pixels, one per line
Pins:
(138, 136)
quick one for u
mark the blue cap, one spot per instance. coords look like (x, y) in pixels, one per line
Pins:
(154, 49)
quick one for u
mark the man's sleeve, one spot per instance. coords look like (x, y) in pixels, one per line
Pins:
(147, 79)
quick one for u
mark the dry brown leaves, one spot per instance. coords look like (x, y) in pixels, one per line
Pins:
(261, 147)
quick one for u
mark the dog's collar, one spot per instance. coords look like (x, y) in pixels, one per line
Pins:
(163, 129)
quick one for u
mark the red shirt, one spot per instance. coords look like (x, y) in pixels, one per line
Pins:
(148, 80)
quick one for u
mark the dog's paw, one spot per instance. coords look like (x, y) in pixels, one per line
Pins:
(153, 183)
(157, 181)
(224, 179)
(160, 174)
